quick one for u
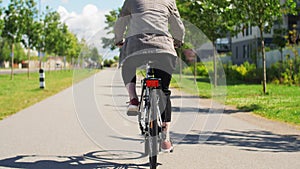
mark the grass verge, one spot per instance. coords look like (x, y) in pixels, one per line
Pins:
(22, 92)
(282, 103)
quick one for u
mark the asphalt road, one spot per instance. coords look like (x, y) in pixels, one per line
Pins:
(86, 127)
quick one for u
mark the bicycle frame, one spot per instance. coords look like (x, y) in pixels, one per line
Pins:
(150, 121)
(149, 83)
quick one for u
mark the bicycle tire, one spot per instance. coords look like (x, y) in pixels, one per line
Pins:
(153, 130)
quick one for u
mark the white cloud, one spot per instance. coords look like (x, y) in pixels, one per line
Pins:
(65, 1)
(88, 25)
(90, 10)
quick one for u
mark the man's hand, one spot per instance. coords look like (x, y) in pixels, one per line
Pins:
(120, 44)
(177, 43)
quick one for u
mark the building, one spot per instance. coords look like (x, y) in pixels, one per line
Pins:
(244, 45)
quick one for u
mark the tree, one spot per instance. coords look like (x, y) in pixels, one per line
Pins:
(263, 14)
(4, 50)
(13, 26)
(63, 42)
(40, 46)
(51, 31)
(214, 18)
(84, 51)
(279, 39)
(111, 19)
(1, 20)
(41, 25)
(19, 52)
(73, 49)
(294, 37)
(95, 55)
(30, 27)
(4, 46)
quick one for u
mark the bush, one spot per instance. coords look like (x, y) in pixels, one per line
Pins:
(108, 63)
(187, 71)
(286, 72)
(201, 70)
(245, 72)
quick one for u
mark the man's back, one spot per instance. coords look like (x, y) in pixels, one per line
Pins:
(151, 16)
(148, 16)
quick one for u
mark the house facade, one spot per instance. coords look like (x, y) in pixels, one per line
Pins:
(244, 45)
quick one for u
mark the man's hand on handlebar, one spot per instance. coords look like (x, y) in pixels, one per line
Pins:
(177, 43)
(120, 44)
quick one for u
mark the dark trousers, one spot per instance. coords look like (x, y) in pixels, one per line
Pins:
(163, 67)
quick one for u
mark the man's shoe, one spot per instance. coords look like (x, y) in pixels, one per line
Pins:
(166, 146)
(133, 107)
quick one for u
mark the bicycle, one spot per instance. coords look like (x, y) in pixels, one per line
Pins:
(149, 114)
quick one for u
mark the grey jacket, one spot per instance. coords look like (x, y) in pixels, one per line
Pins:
(148, 26)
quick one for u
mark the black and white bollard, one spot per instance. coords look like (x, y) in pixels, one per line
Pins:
(42, 79)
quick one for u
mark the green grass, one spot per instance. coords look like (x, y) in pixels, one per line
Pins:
(22, 92)
(282, 103)
(187, 84)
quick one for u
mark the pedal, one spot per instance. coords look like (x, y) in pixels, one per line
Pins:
(132, 113)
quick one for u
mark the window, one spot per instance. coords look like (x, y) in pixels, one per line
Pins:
(245, 51)
(247, 31)
(249, 50)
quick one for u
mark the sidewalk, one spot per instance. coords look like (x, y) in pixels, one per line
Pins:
(74, 128)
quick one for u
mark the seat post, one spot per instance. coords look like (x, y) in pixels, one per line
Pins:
(150, 69)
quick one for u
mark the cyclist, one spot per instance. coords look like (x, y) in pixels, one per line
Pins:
(151, 29)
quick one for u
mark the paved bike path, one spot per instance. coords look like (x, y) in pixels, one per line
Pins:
(74, 128)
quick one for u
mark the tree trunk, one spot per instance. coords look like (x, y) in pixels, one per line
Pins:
(263, 62)
(281, 55)
(28, 56)
(215, 65)
(281, 63)
(40, 59)
(195, 70)
(12, 62)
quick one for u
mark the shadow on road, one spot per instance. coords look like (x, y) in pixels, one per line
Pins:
(257, 140)
(92, 160)
(206, 107)
(204, 110)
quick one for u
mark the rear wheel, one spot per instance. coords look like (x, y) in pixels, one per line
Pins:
(153, 148)
(153, 130)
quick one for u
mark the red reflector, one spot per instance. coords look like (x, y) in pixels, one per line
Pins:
(152, 83)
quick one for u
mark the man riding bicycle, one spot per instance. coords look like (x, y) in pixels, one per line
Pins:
(145, 25)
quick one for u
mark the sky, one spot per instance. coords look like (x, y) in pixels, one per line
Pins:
(85, 18)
